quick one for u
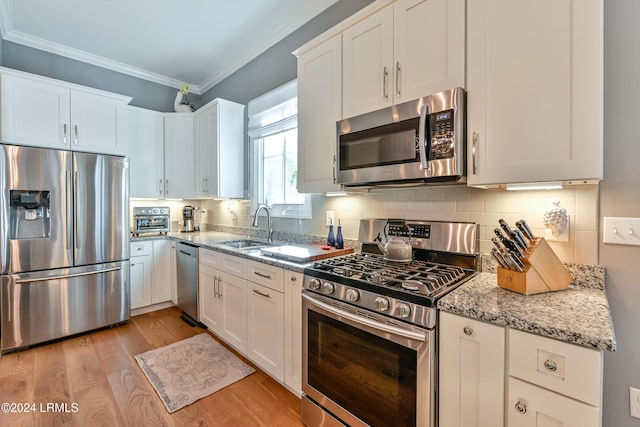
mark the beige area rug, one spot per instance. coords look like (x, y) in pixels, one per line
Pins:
(191, 369)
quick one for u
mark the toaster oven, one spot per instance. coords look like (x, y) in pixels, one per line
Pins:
(151, 220)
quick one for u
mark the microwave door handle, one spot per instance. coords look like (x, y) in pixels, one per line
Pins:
(424, 112)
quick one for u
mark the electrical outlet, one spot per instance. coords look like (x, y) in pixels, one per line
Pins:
(330, 218)
(621, 231)
(634, 402)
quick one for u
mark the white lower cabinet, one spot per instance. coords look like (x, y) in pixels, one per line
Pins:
(549, 383)
(222, 297)
(553, 383)
(141, 272)
(256, 308)
(293, 331)
(532, 406)
(151, 273)
(266, 318)
(472, 366)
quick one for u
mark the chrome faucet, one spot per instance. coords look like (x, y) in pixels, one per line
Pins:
(255, 221)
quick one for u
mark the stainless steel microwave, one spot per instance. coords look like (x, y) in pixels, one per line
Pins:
(414, 143)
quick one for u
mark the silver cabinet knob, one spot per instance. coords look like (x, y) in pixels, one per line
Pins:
(314, 284)
(382, 304)
(468, 330)
(403, 310)
(352, 295)
(521, 406)
(550, 365)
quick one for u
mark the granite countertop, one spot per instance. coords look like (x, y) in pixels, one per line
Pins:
(213, 239)
(578, 315)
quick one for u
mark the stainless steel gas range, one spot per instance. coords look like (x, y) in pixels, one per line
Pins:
(370, 325)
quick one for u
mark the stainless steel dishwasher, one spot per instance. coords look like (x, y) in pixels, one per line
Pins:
(187, 270)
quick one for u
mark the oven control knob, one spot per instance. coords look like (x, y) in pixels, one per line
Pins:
(382, 304)
(403, 310)
(327, 288)
(352, 295)
(314, 284)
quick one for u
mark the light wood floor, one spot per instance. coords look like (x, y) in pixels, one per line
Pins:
(98, 378)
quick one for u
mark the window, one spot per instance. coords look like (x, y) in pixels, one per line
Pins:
(273, 130)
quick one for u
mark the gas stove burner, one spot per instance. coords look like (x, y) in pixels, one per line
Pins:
(412, 285)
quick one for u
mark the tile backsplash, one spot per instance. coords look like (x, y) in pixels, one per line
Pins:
(457, 203)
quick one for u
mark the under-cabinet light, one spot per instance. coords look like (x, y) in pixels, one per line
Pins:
(535, 186)
(335, 194)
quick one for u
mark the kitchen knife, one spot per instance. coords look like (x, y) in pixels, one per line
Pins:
(524, 227)
(517, 263)
(512, 246)
(505, 227)
(498, 257)
(518, 237)
(498, 243)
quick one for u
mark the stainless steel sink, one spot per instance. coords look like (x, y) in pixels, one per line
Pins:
(246, 244)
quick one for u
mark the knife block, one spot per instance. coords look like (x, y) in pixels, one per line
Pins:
(544, 272)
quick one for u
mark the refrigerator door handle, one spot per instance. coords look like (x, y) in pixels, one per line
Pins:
(75, 207)
(68, 203)
(66, 276)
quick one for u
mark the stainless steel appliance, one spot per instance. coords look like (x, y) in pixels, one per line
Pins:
(417, 142)
(187, 270)
(196, 218)
(64, 244)
(151, 220)
(370, 326)
(187, 219)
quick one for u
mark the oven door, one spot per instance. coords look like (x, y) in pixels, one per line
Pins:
(146, 224)
(365, 370)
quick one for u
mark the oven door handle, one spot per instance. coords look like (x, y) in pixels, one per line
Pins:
(416, 336)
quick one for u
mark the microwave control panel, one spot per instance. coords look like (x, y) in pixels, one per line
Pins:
(442, 133)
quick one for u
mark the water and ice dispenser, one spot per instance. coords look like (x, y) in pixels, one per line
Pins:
(29, 214)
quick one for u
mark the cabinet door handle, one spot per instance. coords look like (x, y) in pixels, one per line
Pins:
(262, 294)
(219, 287)
(550, 365)
(265, 276)
(468, 330)
(64, 134)
(132, 265)
(398, 79)
(294, 279)
(334, 169)
(166, 187)
(474, 153)
(385, 76)
(215, 286)
(75, 135)
(160, 187)
(521, 406)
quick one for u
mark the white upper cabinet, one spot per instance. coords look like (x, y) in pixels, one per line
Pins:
(534, 90)
(145, 149)
(42, 112)
(179, 156)
(406, 50)
(219, 145)
(319, 108)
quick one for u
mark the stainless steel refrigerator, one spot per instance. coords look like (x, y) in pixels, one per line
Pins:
(64, 244)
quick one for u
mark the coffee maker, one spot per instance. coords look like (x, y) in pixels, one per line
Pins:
(187, 219)
(196, 218)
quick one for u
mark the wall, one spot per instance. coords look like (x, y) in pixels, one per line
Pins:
(620, 196)
(450, 203)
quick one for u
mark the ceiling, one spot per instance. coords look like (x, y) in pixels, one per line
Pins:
(165, 41)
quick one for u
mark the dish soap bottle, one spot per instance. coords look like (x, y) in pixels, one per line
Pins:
(339, 239)
(331, 240)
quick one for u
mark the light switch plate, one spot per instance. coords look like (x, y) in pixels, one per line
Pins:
(621, 231)
(634, 402)
(330, 218)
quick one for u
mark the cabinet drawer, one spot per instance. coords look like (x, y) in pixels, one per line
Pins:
(233, 265)
(209, 258)
(141, 248)
(566, 368)
(531, 406)
(267, 275)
